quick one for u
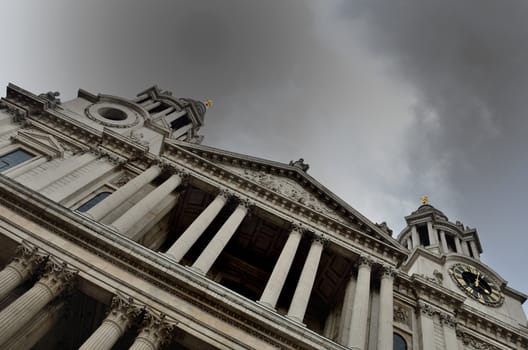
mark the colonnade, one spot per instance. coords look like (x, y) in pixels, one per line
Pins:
(34, 305)
(30, 316)
(355, 312)
(155, 331)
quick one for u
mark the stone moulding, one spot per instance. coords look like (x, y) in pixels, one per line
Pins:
(183, 158)
(157, 269)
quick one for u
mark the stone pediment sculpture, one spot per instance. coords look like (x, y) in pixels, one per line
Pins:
(292, 182)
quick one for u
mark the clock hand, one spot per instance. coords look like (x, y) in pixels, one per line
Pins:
(477, 279)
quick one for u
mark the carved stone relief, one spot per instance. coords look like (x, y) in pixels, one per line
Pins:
(402, 315)
(288, 188)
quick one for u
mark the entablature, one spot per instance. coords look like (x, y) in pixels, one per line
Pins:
(158, 269)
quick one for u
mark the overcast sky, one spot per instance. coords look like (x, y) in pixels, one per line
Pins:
(386, 100)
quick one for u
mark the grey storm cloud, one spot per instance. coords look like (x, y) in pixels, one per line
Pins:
(466, 61)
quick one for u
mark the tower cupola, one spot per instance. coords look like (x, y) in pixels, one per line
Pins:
(430, 228)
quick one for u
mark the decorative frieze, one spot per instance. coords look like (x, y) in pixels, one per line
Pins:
(474, 342)
(402, 315)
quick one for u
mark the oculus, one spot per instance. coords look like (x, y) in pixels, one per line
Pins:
(476, 284)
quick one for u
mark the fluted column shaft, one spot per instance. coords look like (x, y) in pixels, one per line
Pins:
(427, 326)
(358, 327)
(443, 242)
(386, 312)
(19, 269)
(458, 246)
(178, 250)
(206, 260)
(347, 310)
(414, 237)
(306, 280)
(20, 311)
(126, 191)
(119, 318)
(35, 329)
(155, 332)
(449, 325)
(140, 209)
(280, 271)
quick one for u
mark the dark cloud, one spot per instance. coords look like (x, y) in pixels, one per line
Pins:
(467, 63)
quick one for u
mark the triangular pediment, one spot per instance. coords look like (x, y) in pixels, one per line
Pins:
(293, 183)
(41, 141)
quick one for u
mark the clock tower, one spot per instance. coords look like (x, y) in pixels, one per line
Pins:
(446, 256)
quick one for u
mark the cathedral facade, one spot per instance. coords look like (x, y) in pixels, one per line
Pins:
(119, 229)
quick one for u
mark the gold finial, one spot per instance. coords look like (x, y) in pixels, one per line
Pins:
(425, 200)
(208, 103)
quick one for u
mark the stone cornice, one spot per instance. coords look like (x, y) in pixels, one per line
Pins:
(157, 269)
(230, 158)
(198, 166)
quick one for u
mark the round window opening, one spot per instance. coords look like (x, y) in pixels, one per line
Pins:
(112, 113)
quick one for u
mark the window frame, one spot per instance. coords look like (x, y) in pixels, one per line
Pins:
(15, 147)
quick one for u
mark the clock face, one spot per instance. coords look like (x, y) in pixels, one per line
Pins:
(476, 284)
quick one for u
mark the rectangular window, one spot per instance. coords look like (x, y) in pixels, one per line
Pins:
(14, 158)
(423, 232)
(451, 245)
(93, 201)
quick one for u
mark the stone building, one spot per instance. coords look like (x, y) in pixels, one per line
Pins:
(120, 230)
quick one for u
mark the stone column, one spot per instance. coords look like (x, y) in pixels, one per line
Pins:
(156, 331)
(443, 241)
(282, 268)
(433, 237)
(409, 243)
(123, 193)
(306, 280)
(427, 325)
(358, 328)
(35, 329)
(20, 311)
(213, 250)
(27, 258)
(347, 310)
(197, 228)
(474, 249)
(122, 313)
(449, 325)
(138, 211)
(465, 248)
(458, 245)
(414, 236)
(386, 312)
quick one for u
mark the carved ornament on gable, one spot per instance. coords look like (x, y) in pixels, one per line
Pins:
(288, 188)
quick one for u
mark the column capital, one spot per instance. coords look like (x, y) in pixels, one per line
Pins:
(448, 320)
(426, 309)
(365, 260)
(388, 271)
(225, 193)
(157, 328)
(244, 202)
(27, 258)
(57, 275)
(319, 238)
(297, 227)
(123, 309)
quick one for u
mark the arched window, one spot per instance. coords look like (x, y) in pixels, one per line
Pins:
(398, 342)
(92, 202)
(13, 158)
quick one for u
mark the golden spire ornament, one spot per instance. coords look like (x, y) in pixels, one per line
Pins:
(425, 200)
